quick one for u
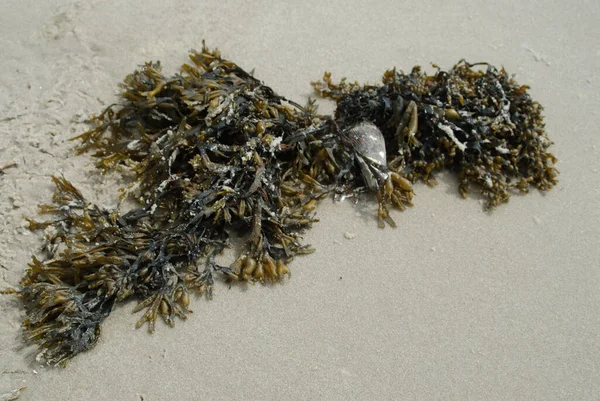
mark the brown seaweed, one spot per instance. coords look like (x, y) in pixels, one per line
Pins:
(216, 152)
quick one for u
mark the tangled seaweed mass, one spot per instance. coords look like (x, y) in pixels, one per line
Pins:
(217, 153)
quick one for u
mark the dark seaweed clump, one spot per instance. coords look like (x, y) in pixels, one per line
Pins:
(215, 152)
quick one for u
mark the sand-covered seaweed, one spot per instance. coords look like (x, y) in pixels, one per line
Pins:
(214, 152)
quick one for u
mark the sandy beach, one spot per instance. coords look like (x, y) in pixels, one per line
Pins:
(454, 304)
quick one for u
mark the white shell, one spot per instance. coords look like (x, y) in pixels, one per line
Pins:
(367, 140)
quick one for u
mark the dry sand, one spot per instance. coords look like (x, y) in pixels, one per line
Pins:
(454, 304)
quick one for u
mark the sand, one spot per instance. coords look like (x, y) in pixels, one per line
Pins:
(454, 304)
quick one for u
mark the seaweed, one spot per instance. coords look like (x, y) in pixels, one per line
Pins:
(215, 153)
(481, 125)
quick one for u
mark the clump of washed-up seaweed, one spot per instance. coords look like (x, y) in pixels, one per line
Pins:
(215, 152)
(480, 124)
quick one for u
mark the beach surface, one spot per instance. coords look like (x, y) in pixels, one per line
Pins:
(455, 304)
